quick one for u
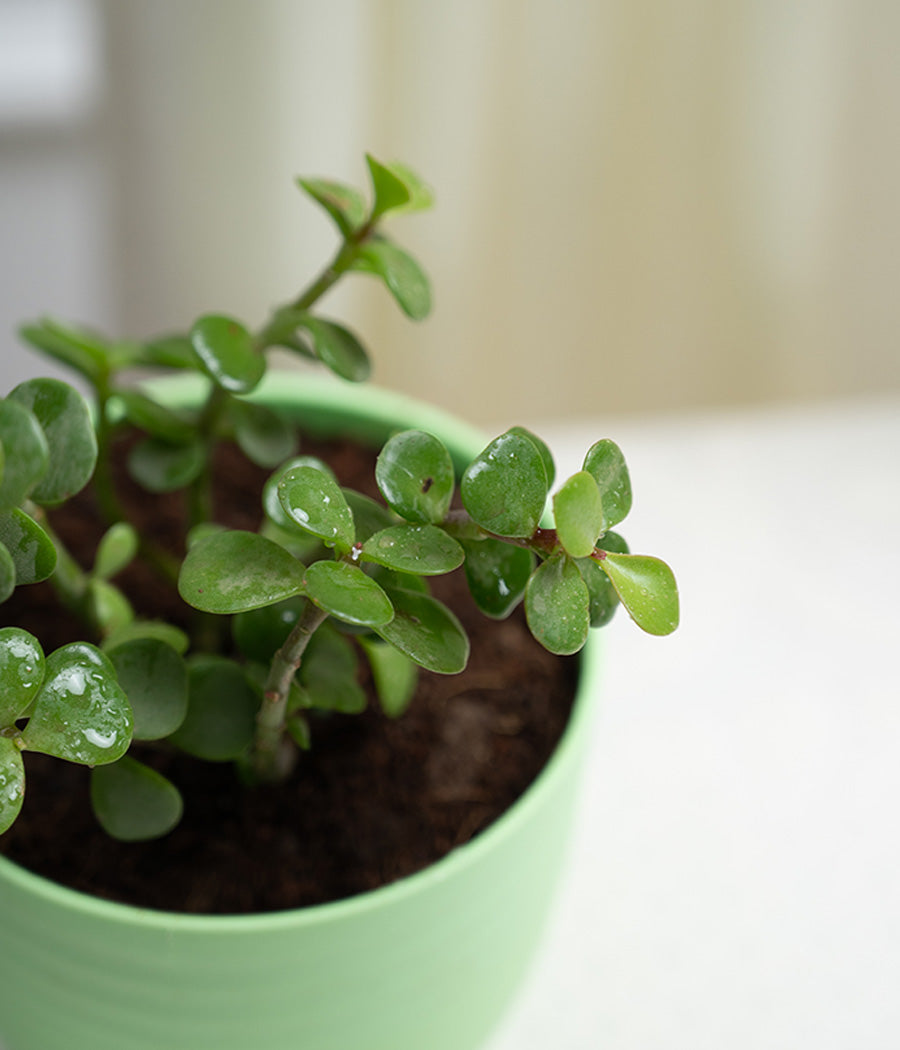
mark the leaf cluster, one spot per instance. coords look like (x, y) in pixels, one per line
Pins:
(330, 579)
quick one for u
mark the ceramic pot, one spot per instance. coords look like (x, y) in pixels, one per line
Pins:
(427, 963)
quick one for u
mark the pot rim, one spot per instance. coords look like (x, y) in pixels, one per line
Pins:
(382, 403)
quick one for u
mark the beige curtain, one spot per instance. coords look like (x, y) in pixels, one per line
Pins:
(643, 205)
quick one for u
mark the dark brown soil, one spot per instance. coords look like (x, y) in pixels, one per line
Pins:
(375, 800)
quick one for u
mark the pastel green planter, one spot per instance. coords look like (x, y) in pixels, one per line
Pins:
(427, 963)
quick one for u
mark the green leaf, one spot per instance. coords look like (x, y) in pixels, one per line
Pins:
(557, 605)
(423, 549)
(65, 418)
(504, 488)
(414, 472)
(80, 713)
(225, 349)
(83, 351)
(134, 803)
(169, 351)
(22, 668)
(155, 681)
(578, 513)
(389, 188)
(604, 600)
(221, 711)
(344, 204)
(369, 516)
(156, 419)
(117, 548)
(421, 195)
(606, 465)
(541, 446)
(7, 574)
(32, 550)
(337, 348)
(497, 574)
(163, 632)
(328, 673)
(346, 592)
(110, 610)
(162, 467)
(265, 438)
(232, 571)
(272, 504)
(26, 453)
(258, 633)
(646, 587)
(427, 632)
(313, 500)
(12, 782)
(394, 674)
(402, 275)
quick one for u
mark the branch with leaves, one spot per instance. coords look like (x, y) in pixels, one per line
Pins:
(330, 577)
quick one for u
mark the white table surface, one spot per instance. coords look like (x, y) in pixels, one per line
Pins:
(734, 882)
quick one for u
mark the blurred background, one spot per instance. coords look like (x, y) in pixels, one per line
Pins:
(651, 205)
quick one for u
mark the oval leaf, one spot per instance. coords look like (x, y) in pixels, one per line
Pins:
(606, 465)
(7, 574)
(604, 600)
(344, 204)
(272, 504)
(110, 610)
(646, 587)
(12, 782)
(578, 514)
(26, 453)
(313, 500)
(225, 349)
(163, 632)
(161, 467)
(424, 550)
(347, 593)
(337, 348)
(414, 472)
(427, 632)
(32, 550)
(155, 681)
(369, 516)
(65, 418)
(156, 419)
(80, 713)
(505, 488)
(557, 606)
(83, 351)
(328, 674)
(541, 446)
(497, 574)
(22, 669)
(394, 674)
(264, 437)
(169, 351)
(402, 275)
(232, 571)
(117, 547)
(221, 713)
(134, 803)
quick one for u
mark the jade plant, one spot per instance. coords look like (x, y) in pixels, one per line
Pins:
(281, 615)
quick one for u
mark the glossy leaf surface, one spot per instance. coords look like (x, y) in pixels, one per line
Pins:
(427, 632)
(346, 592)
(33, 552)
(402, 275)
(557, 605)
(505, 487)
(420, 549)
(12, 782)
(155, 681)
(606, 465)
(314, 501)
(71, 441)
(270, 499)
(541, 446)
(25, 452)
(265, 438)
(80, 713)
(497, 574)
(646, 587)
(369, 516)
(232, 571)
(134, 803)
(162, 467)
(337, 348)
(414, 473)
(226, 351)
(394, 674)
(603, 598)
(221, 711)
(22, 668)
(344, 204)
(578, 513)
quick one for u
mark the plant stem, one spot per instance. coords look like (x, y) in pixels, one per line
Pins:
(268, 759)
